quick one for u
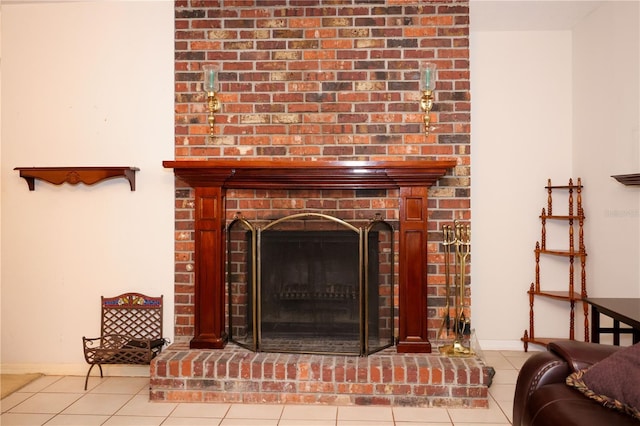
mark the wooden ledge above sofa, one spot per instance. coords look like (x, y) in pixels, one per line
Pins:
(630, 179)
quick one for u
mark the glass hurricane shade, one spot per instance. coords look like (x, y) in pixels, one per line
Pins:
(211, 83)
(427, 76)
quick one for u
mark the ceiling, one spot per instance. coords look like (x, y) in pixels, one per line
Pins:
(529, 15)
(493, 15)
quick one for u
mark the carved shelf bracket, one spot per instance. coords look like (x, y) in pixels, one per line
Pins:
(75, 175)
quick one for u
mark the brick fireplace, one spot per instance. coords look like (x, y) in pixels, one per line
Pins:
(402, 375)
(327, 83)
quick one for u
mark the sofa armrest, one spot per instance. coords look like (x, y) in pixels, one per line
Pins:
(562, 358)
(539, 370)
(581, 355)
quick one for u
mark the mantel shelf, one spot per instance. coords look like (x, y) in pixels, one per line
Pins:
(260, 174)
(630, 179)
(75, 175)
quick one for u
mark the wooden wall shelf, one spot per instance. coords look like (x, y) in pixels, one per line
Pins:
(75, 175)
(631, 179)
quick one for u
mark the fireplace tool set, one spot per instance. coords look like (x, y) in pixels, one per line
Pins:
(457, 236)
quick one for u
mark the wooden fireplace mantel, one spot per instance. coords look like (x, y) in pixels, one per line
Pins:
(255, 174)
(211, 179)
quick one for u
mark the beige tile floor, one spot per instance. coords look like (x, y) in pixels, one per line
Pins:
(61, 400)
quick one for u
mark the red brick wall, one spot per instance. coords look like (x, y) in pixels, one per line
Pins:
(322, 79)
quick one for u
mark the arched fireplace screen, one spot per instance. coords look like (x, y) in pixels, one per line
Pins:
(311, 283)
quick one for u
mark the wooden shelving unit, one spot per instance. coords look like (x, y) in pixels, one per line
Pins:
(574, 221)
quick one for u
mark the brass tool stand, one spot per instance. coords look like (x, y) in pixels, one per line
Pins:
(460, 238)
(448, 239)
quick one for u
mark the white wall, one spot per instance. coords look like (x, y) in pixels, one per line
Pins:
(552, 104)
(83, 84)
(607, 142)
(521, 134)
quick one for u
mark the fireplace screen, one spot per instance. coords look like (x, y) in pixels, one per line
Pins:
(311, 283)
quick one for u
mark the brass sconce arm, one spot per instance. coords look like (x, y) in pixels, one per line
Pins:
(214, 106)
(426, 103)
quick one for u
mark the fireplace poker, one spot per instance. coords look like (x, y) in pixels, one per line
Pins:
(463, 248)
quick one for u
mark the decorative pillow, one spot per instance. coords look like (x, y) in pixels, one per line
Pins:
(614, 381)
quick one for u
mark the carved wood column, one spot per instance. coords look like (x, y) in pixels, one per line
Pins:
(412, 333)
(209, 268)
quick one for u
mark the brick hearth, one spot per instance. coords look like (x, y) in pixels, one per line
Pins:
(236, 375)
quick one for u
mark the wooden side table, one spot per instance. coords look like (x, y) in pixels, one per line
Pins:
(622, 310)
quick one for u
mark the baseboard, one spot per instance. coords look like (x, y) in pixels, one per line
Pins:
(76, 370)
(507, 345)
(143, 370)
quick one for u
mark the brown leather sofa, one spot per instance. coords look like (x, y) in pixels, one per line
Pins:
(542, 398)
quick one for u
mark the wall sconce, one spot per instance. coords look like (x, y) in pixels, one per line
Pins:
(211, 85)
(427, 86)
